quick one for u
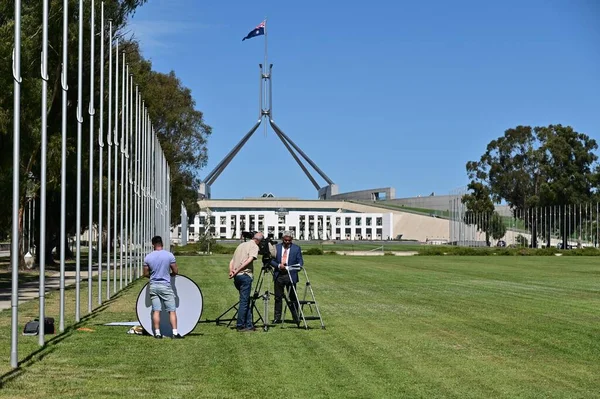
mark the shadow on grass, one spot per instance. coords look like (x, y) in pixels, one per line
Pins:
(51, 345)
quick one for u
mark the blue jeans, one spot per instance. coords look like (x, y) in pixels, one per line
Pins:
(243, 283)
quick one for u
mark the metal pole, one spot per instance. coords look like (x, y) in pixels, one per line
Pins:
(101, 150)
(136, 179)
(63, 167)
(130, 180)
(125, 182)
(109, 159)
(130, 177)
(91, 111)
(15, 203)
(116, 163)
(79, 171)
(44, 152)
(122, 181)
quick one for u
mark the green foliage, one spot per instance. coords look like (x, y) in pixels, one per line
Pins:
(493, 251)
(588, 251)
(330, 253)
(537, 167)
(522, 241)
(313, 251)
(388, 254)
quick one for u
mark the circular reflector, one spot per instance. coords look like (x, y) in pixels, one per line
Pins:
(188, 303)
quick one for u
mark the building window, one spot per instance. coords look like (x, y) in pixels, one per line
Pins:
(191, 229)
(357, 221)
(202, 220)
(348, 221)
(369, 220)
(379, 221)
(223, 229)
(338, 221)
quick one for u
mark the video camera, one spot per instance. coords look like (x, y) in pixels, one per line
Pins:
(263, 246)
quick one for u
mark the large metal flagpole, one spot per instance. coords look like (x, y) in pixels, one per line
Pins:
(15, 200)
(91, 112)
(122, 181)
(101, 151)
(79, 171)
(137, 177)
(44, 152)
(116, 164)
(125, 181)
(109, 159)
(63, 167)
(130, 158)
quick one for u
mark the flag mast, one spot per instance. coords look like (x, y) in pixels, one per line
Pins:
(266, 52)
(265, 71)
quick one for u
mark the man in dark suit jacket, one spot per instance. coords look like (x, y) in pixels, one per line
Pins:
(288, 253)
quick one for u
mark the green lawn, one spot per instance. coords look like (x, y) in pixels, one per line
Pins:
(397, 327)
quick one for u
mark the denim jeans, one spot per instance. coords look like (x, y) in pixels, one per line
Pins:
(243, 283)
(162, 294)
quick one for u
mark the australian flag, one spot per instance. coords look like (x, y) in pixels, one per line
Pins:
(259, 30)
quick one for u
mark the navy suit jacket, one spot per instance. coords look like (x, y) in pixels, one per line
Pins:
(294, 258)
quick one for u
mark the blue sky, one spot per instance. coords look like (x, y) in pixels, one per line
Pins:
(378, 93)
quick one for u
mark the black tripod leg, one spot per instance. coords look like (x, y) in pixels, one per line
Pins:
(220, 319)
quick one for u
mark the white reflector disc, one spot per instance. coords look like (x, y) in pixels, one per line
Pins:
(188, 302)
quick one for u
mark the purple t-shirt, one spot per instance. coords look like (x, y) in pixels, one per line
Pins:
(159, 263)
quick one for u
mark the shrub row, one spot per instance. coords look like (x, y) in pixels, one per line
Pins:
(466, 251)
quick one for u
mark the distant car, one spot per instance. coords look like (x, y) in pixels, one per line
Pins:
(501, 243)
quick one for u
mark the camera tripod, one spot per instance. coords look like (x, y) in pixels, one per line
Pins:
(308, 299)
(265, 269)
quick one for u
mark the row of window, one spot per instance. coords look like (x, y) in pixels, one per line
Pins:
(282, 220)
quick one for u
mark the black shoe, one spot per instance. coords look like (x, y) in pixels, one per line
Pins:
(277, 321)
(177, 336)
(158, 336)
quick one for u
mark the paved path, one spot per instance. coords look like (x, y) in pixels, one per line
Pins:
(30, 290)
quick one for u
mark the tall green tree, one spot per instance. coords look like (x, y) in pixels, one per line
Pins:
(481, 211)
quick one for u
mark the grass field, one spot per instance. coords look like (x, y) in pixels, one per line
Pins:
(397, 327)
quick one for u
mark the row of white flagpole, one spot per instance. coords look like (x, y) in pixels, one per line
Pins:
(143, 186)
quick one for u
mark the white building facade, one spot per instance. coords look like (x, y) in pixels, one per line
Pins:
(305, 224)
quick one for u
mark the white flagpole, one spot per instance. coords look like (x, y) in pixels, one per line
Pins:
(109, 159)
(136, 178)
(101, 150)
(122, 181)
(44, 152)
(116, 163)
(79, 171)
(125, 182)
(63, 167)
(14, 357)
(91, 112)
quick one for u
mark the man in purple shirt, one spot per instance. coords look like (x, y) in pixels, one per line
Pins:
(159, 266)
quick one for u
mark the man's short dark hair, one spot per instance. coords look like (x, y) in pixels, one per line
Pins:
(157, 240)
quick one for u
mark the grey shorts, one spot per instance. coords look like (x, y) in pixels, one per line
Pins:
(162, 294)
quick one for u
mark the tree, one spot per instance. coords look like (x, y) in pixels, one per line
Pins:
(538, 167)
(480, 211)
(182, 120)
